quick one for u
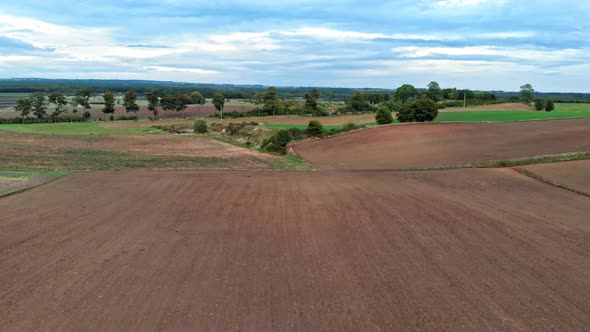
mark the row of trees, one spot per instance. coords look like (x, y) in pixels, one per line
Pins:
(37, 103)
(527, 95)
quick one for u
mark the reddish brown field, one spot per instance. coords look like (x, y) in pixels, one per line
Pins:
(428, 145)
(573, 174)
(258, 251)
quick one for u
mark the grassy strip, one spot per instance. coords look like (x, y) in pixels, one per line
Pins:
(291, 162)
(78, 128)
(510, 162)
(25, 174)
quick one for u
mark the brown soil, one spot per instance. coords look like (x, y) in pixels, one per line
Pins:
(572, 174)
(495, 107)
(211, 250)
(46, 151)
(429, 145)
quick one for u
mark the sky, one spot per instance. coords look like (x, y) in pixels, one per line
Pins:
(476, 44)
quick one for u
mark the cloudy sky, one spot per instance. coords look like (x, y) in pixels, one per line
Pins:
(478, 44)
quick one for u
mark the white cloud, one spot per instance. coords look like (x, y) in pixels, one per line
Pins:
(184, 70)
(524, 54)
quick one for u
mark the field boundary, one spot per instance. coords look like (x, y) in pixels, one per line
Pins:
(18, 191)
(539, 178)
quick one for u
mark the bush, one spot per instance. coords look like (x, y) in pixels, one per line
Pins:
(278, 142)
(550, 106)
(296, 133)
(421, 110)
(200, 126)
(540, 104)
(383, 116)
(350, 126)
(315, 129)
(86, 116)
(127, 118)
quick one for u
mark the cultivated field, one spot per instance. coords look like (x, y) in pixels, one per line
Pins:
(353, 245)
(432, 145)
(574, 174)
(446, 250)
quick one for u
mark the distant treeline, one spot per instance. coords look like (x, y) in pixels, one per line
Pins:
(230, 91)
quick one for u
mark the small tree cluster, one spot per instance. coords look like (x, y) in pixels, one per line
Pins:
(540, 104)
(315, 129)
(421, 110)
(278, 142)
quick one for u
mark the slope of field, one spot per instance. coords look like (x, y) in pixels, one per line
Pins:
(211, 250)
(573, 174)
(429, 145)
(106, 152)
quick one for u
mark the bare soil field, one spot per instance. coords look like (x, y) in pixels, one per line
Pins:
(573, 174)
(236, 250)
(114, 152)
(495, 107)
(430, 145)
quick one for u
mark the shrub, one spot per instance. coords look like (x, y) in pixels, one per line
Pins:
(200, 126)
(296, 133)
(127, 118)
(278, 142)
(421, 110)
(540, 104)
(86, 116)
(350, 126)
(550, 106)
(383, 116)
(315, 129)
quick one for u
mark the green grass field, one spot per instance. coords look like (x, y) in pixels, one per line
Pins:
(77, 128)
(562, 111)
(288, 126)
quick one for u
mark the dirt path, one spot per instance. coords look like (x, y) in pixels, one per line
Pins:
(428, 145)
(212, 250)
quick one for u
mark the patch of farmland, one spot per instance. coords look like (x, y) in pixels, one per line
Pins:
(452, 250)
(571, 174)
(431, 145)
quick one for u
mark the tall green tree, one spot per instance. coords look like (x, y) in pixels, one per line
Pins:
(358, 103)
(82, 98)
(406, 93)
(38, 104)
(218, 102)
(24, 107)
(312, 101)
(153, 100)
(434, 91)
(197, 98)
(527, 93)
(59, 100)
(109, 103)
(168, 102)
(181, 102)
(271, 101)
(130, 101)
